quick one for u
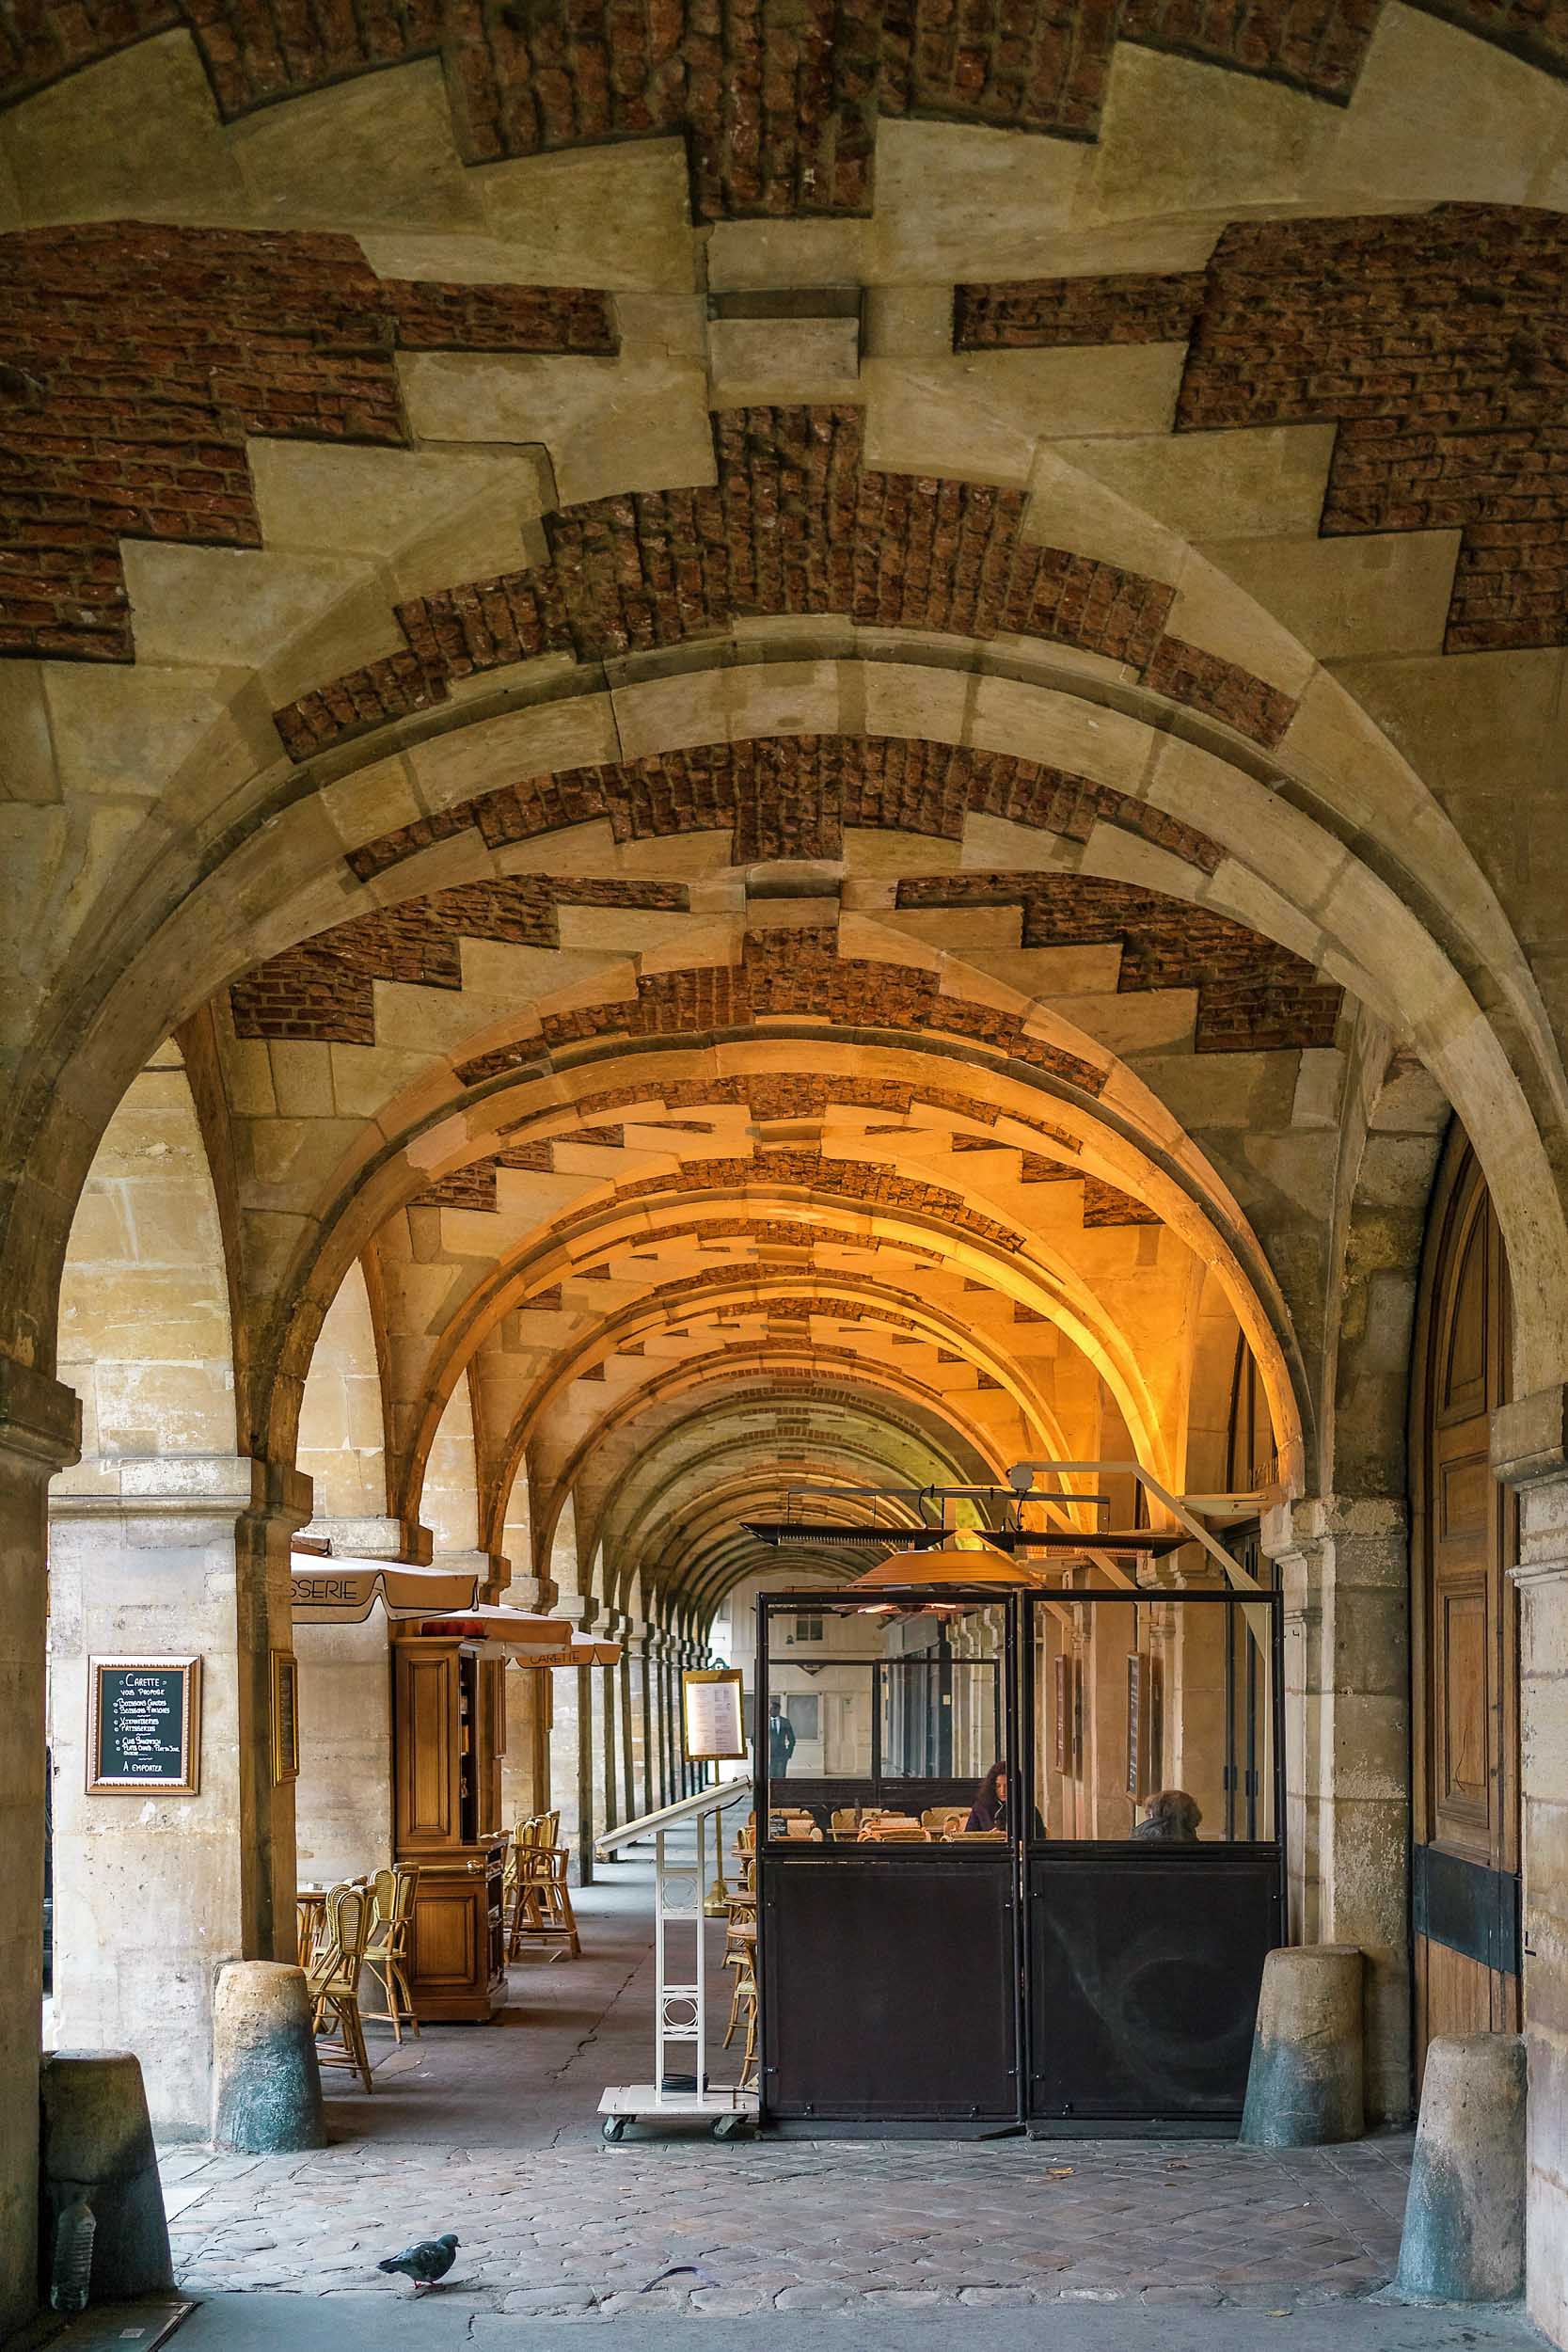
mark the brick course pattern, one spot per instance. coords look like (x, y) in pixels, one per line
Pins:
(1437, 342)
(1253, 997)
(798, 975)
(795, 524)
(864, 1181)
(778, 100)
(139, 359)
(793, 797)
(323, 989)
(797, 1095)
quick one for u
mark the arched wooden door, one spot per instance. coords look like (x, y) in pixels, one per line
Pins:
(1465, 1621)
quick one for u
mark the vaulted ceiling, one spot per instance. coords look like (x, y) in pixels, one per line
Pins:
(786, 702)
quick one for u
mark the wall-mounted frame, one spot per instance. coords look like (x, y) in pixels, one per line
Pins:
(1137, 1725)
(1065, 1698)
(711, 1724)
(285, 1716)
(144, 1727)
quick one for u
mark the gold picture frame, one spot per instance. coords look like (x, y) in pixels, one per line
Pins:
(144, 1727)
(713, 1729)
(285, 1716)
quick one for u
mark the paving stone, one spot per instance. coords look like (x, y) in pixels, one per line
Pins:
(545, 2302)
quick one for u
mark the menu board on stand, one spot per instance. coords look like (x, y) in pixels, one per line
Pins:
(711, 1715)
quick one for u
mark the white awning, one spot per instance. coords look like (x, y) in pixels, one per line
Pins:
(344, 1591)
(576, 1653)
(491, 1621)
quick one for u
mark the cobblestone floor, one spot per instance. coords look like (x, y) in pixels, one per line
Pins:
(494, 2134)
(868, 2226)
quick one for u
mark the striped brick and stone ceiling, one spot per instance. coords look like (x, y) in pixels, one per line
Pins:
(778, 102)
(769, 1049)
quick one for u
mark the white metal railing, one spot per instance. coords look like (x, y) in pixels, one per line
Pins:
(680, 2004)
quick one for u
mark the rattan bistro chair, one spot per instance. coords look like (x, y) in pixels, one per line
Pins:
(745, 2004)
(334, 1980)
(541, 1905)
(386, 1951)
(524, 1836)
(739, 1944)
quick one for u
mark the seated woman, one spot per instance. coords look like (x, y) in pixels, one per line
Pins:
(989, 1813)
(989, 1808)
(1170, 1818)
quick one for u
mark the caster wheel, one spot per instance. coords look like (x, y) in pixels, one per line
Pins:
(726, 2127)
(615, 2126)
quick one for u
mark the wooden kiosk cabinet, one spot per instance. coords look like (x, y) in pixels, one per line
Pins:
(446, 1702)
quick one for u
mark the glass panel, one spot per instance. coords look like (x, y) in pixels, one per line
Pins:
(1154, 1720)
(884, 1720)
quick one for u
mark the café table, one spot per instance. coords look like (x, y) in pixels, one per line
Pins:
(310, 1914)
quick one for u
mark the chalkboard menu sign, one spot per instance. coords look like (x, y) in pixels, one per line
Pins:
(145, 1726)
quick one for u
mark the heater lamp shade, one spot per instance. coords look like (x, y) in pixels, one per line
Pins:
(967, 1560)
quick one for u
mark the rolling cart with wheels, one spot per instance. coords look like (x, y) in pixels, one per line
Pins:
(680, 2008)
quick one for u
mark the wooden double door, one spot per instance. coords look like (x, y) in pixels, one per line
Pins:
(1465, 1857)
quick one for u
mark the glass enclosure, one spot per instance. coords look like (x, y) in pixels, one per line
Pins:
(1049, 1822)
(875, 1711)
(1154, 1718)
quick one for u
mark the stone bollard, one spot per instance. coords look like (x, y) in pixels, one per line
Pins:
(1465, 2217)
(97, 2152)
(1304, 2084)
(266, 2079)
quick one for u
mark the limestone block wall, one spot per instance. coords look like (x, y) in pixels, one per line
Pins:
(146, 1339)
(343, 1799)
(342, 1430)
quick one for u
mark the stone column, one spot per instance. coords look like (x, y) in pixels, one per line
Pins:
(183, 1556)
(571, 1752)
(1346, 1563)
(40, 1426)
(626, 1710)
(344, 1797)
(604, 1740)
(525, 1769)
(686, 1771)
(660, 1694)
(1529, 1452)
(643, 1741)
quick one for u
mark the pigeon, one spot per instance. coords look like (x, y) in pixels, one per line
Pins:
(430, 2260)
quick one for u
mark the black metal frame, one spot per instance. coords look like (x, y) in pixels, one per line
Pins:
(1021, 1859)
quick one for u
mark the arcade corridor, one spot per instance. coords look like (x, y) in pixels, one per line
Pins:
(784, 968)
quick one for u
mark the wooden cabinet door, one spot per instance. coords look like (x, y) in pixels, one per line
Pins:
(426, 1744)
(1466, 1622)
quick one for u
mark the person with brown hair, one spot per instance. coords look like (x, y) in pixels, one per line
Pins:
(1170, 1818)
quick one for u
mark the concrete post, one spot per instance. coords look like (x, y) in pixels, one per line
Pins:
(40, 1424)
(1346, 1568)
(181, 1557)
(1305, 2089)
(267, 2077)
(1529, 1452)
(1463, 2238)
(97, 2137)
